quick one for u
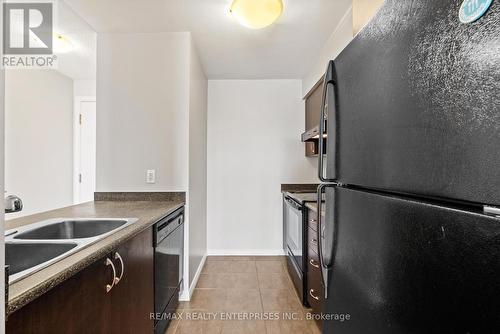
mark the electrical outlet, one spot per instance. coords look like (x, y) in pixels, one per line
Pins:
(150, 176)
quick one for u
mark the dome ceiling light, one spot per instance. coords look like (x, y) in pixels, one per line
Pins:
(62, 44)
(256, 14)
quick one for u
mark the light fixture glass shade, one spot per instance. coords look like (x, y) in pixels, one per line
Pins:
(62, 44)
(256, 14)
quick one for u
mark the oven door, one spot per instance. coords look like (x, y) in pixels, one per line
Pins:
(293, 222)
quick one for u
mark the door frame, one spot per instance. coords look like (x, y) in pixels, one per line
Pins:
(76, 143)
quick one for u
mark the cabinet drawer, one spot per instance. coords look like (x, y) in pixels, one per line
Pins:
(312, 240)
(312, 219)
(315, 290)
(313, 262)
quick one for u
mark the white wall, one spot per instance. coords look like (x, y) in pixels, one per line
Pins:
(338, 40)
(151, 114)
(197, 194)
(142, 111)
(363, 11)
(39, 139)
(254, 145)
(84, 87)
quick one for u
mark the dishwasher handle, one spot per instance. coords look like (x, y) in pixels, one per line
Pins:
(165, 227)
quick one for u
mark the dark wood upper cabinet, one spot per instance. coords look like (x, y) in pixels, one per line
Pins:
(313, 104)
(81, 304)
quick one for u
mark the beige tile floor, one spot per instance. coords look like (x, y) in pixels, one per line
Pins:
(243, 286)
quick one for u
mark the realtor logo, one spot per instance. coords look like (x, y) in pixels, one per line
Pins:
(28, 30)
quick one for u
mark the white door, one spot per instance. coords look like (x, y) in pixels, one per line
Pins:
(87, 151)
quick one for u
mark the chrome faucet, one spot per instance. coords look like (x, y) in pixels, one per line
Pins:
(13, 204)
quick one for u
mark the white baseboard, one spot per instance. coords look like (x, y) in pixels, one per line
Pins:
(184, 296)
(187, 294)
(245, 252)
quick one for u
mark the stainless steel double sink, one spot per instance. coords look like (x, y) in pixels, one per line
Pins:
(33, 247)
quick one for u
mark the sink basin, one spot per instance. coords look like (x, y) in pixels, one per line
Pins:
(22, 256)
(71, 229)
(32, 247)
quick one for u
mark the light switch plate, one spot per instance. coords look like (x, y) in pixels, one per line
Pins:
(150, 176)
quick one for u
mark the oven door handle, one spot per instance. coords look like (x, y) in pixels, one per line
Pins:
(293, 204)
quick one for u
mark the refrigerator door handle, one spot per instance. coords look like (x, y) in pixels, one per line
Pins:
(320, 235)
(324, 112)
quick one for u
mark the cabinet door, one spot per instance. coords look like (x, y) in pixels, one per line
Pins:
(132, 298)
(314, 105)
(80, 304)
(315, 290)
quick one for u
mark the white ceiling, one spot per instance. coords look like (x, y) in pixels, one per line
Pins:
(80, 62)
(286, 49)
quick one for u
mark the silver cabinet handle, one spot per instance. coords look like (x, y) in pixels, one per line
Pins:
(110, 286)
(117, 256)
(311, 293)
(314, 264)
(312, 220)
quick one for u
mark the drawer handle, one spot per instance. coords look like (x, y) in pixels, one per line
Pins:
(314, 241)
(118, 279)
(110, 286)
(312, 220)
(314, 264)
(311, 293)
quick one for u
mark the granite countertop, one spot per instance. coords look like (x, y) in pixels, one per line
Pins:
(148, 212)
(299, 187)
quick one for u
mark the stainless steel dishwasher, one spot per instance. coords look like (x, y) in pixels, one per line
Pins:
(169, 259)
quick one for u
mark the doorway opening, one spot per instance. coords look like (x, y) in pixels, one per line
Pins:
(84, 149)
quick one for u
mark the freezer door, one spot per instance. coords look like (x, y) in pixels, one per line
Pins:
(403, 266)
(418, 104)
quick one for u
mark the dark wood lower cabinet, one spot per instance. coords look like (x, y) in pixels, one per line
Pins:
(79, 303)
(132, 299)
(312, 220)
(82, 305)
(315, 290)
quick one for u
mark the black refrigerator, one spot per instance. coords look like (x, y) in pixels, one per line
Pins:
(410, 242)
